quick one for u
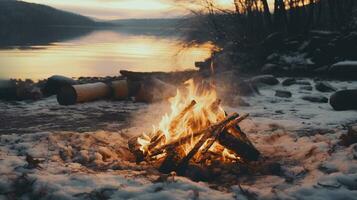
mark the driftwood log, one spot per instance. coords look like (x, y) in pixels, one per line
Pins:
(55, 83)
(153, 89)
(123, 89)
(72, 94)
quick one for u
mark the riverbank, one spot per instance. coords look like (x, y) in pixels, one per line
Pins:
(302, 136)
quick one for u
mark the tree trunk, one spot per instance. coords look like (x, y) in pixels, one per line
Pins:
(267, 14)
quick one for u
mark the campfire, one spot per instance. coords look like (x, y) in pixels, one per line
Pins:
(197, 132)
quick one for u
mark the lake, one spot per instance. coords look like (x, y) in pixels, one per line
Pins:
(94, 53)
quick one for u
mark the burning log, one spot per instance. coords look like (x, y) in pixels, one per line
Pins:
(211, 132)
(72, 94)
(231, 124)
(195, 135)
(160, 136)
(235, 140)
(134, 148)
(186, 139)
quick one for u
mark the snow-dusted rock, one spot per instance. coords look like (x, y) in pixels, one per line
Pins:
(283, 93)
(265, 79)
(344, 100)
(289, 81)
(316, 98)
(324, 87)
(345, 69)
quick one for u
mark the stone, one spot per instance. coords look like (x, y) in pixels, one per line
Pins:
(322, 70)
(289, 81)
(315, 98)
(344, 100)
(265, 79)
(283, 93)
(241, 102)
(8, 89)
(350, 137)
(306, 87)
(324, 87)
(345, 70)
(274, 41)
(273, 57)
(302, 82)
(271, 68)
(245, 88)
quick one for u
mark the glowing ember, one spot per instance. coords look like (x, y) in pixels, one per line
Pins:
(192, 110)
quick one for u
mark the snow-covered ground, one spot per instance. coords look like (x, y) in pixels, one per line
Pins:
(84, 152)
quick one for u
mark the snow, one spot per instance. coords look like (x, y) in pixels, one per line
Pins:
(345, 63)
(93, 162)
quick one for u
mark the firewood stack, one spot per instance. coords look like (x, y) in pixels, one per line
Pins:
(169, 157)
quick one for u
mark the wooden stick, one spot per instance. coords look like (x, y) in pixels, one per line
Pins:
(236, 140)
(134, 148)
(212, 131)
(185, 139)
(179, 117)
(159, 136)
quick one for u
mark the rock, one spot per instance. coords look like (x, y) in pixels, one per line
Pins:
(241, 102)
(346, 46)
(329, 184)
(354, 152)
(322, 70)
(245, 88)
(315, 98)
(344, 100)
(302, 82)
(274, 41)
(273, 57)
(306, 87)
(324, 87)
(8, 89)
(289, 81)
(271, 68)
(345, 70)
(55, 83)
(350, 137)
(283, 94)
(265, 79)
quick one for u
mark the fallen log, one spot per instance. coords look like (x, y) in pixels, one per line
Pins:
(153, 89)
(55, 83)
(72, 94)
(123, 89)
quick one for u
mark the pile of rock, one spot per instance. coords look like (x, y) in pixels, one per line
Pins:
(321, 53)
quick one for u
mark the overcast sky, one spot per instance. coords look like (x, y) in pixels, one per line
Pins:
(115, 9)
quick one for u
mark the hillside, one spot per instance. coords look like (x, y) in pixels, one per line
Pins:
(21, 14)
(148, 23)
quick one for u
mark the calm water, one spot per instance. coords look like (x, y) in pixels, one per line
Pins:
(97, 53)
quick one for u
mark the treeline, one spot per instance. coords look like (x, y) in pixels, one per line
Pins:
(253, 20)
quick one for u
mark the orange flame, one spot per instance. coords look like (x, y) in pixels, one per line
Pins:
(205, 112)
